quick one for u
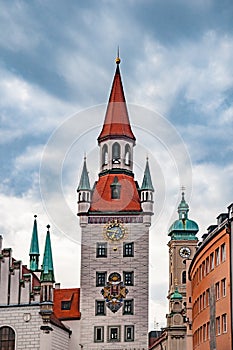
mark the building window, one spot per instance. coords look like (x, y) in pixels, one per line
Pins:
(127, 155)
(105, 155)
(7, 338)
(128, 278)
(204, 300)
(115, 189)
(218, 326)
(128, 307)
(128, 249)
(184, 277)
(207, 297)
(98, 334)
(116, 153)
(208, 331)
(224, 323)
(217, 256)
(204, 332)
(101, 279)
(101, 250)
(207, 266)
(223, 283)
(129, 333)
(114, 333)
(217, 291)
(100, 308)
(223, 252)
(212, 261)
(65, 305)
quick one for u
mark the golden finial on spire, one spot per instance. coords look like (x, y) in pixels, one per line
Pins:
(118, 60)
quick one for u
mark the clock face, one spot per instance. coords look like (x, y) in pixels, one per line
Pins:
(185, 252)
(115, 231)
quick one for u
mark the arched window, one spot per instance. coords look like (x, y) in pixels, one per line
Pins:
(184, 277)
(105, 155)
(7, 338)
(127, 155)
(116, 153)
(115, 189)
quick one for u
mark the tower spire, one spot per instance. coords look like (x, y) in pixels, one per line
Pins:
(47, 274)
(118, 60)
(84, 183)
(34, 248)
(147, 182)
(183, 207)
(116, 123)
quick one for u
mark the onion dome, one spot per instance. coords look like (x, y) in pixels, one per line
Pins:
(183, 228)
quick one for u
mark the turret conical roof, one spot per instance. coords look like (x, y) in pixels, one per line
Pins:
(47, 274)
(116, 123)
(84, 183)
(147, 182)
(34, 247)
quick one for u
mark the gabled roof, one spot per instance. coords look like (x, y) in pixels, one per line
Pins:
(116, 123)
(102, 198)
(147, 182)
(84, 183)
(71, 295)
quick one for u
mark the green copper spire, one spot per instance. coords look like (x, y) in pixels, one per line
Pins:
(34, 248)
(84, 183)
(183, 228)
(47, 274)
(147, 182)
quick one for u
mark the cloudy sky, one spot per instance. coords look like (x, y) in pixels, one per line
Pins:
(56, 68)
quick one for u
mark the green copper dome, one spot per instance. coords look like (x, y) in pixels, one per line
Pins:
(176, 295)
(183, 228)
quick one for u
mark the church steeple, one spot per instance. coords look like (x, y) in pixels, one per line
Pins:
(34, 248)
(183, 228)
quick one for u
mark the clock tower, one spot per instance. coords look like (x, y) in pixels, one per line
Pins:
(115, 216)
(182, 247)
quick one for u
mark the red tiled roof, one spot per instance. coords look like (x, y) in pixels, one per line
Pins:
(69, 294)
(116, 121)
(55, 321)
(35, 279)
(129, 197)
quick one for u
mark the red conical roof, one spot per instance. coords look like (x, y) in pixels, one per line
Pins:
(116, 123)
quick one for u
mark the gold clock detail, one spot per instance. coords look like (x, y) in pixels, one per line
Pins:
(115, 231)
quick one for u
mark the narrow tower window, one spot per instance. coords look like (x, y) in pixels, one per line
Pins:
(184, 277)
(105, 155)
(115, 189)
(127, 155)
(116, 153)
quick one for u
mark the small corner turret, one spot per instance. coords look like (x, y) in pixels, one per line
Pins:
(146, 195)
(47, 280)
(34, 248)
(84, 195)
